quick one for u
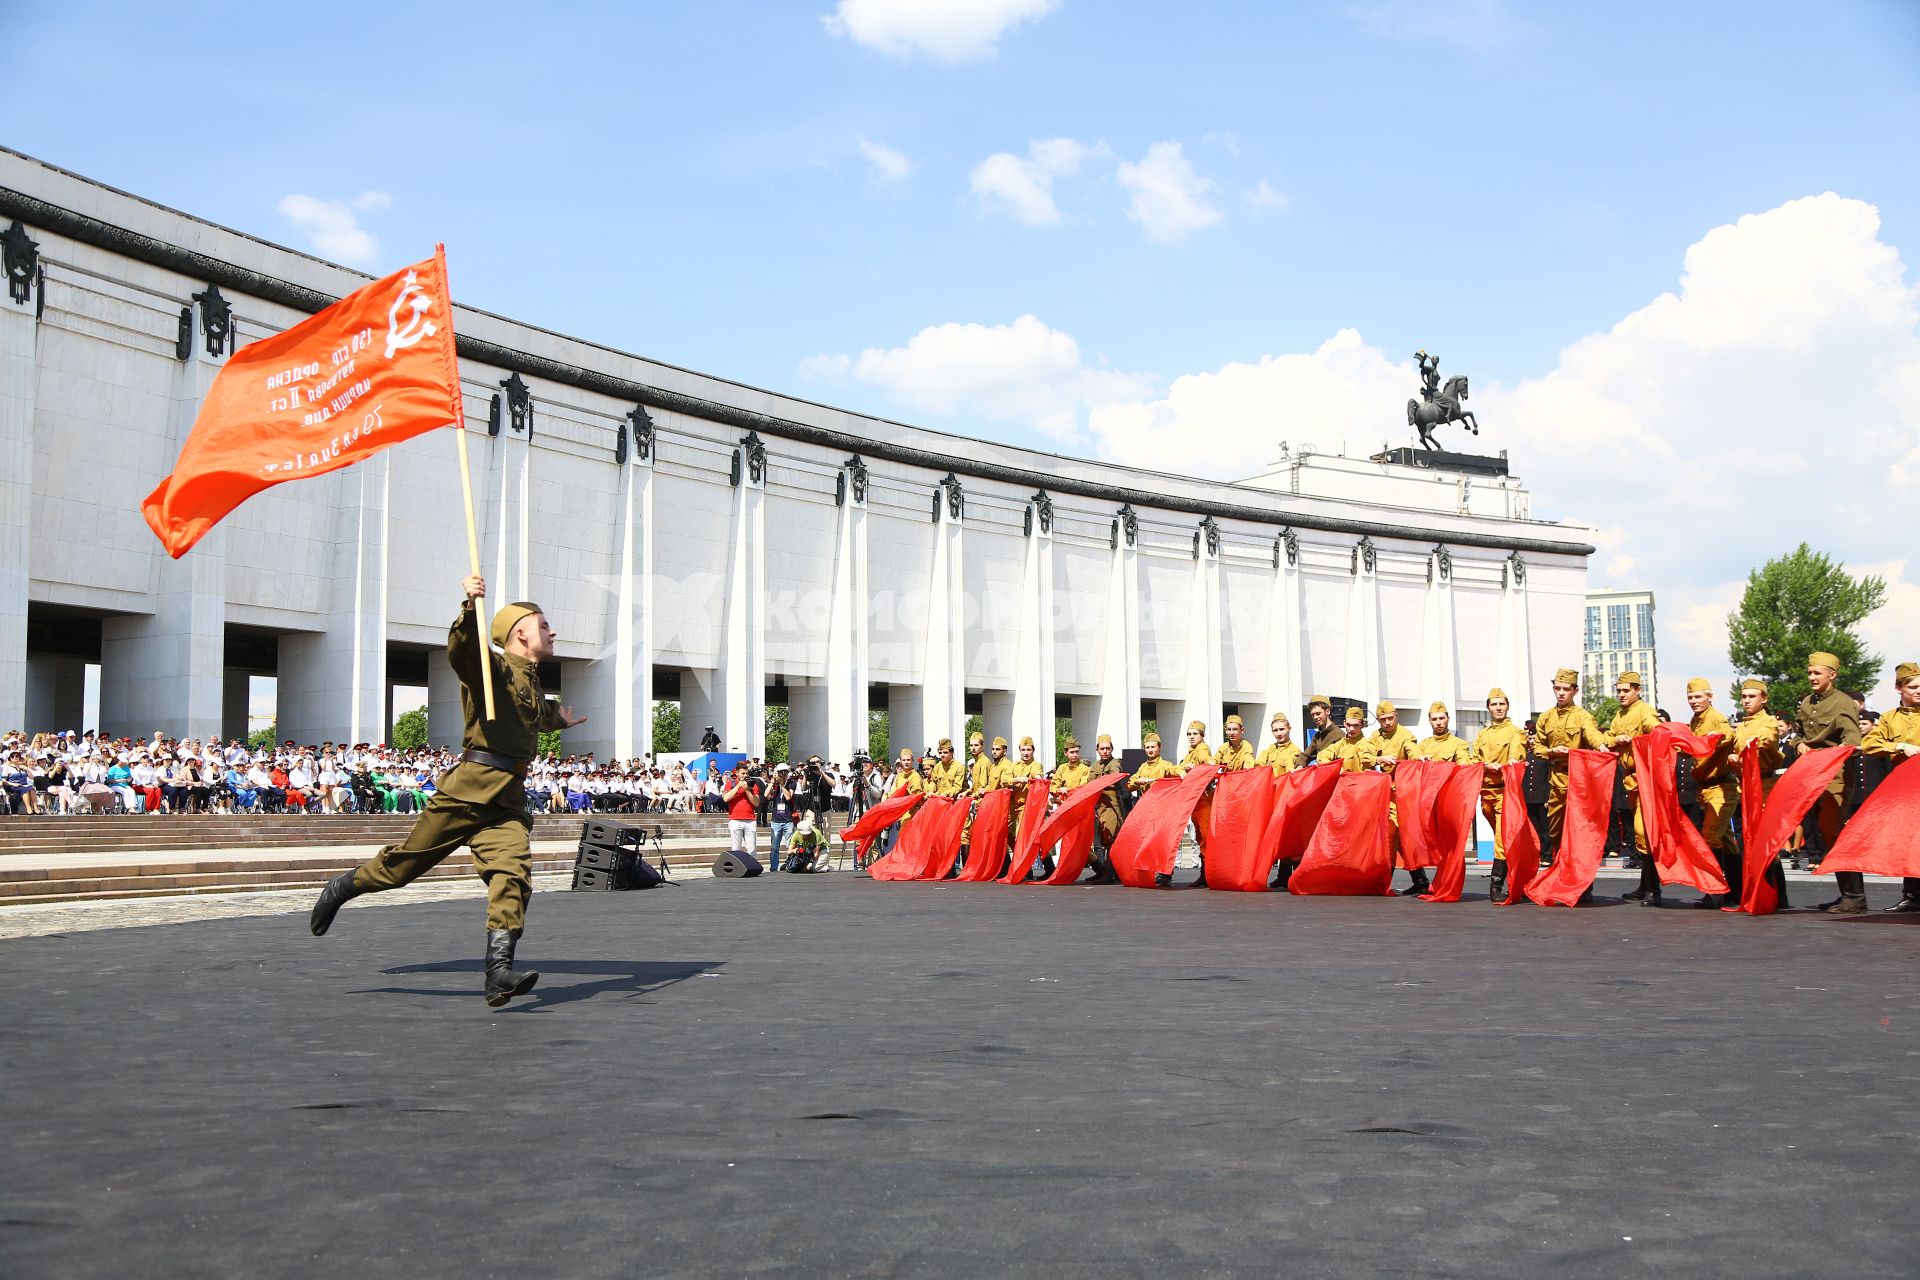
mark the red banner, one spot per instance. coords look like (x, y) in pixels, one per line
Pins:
(1883, 837)
(1150, 840)
(1793, 794)
(1071, 826)
(1349, 853)
(1583, 834)
(1517, 835)
(1033, 816)
(1414, 784)
(878, 819)
(1680, 852)
(927, 844)
(373, 369)
(1455, 801)
(987, 842)
(1758, 896)
(1297, 809)
(1242, 806)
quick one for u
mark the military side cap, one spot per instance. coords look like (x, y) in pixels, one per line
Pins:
(1905, 672)
(1026, 742)
(1386, 709)
(1496, 692)
(1154, 738)
(1699, 684)
(946, 744)
(509, 617)
(1279, 717)
(999, 742)
(906, 756)
(1320, 700)
(1629, 677)
(975, 737)
(1823, 659)
(1356, 716)
(1196, 726)
(1104, 740)
(1567, 675)
(1071, 744)
(1751, 683)
(1438, 709)
(1235, 722)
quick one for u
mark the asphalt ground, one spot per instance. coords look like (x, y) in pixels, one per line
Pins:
(823, 1075)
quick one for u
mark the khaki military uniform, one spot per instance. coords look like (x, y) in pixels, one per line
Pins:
(1070, 775)
(1448, 748)
(1501, 743)
(1282, 759)
(1832, 720)
(947, 778)
(1891, 731)
(1319, 740)
(478, 805)
(1573, 728)
(1631, 723)
(1718, 783)
(1352, 757)
(1232, 758)
(1106, 813)
(1152, 771)
(1014, 775)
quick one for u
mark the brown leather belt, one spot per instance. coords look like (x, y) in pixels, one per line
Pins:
(505, 764)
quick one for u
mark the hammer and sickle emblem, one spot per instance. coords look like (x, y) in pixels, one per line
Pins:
(408, 332)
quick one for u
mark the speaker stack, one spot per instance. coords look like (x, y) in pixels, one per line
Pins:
(736, 864)
(611, 858)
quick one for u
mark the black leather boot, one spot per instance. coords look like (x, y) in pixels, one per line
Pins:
(1909, 898)
(1853, 894)
(1419, 883)
(1497, 883)
(1282, 872)
(503, 984)
(332, 894)
(1045, 869)
(1161, 880)
(1103, 873)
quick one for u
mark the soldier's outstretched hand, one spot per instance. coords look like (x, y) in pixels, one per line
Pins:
(568, 719)
(475, 586)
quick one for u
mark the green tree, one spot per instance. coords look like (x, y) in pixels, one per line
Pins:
(1147, 727)
(548, 743)
(880, 736)
(1801, 603)
(265, 739)
(410, 729)
(1062, 730)
(1603, 705)
(778, 722)
(975, 724)
(666, 727)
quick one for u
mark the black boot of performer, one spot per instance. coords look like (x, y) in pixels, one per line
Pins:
(332, 894)
(1853, 894)
(1161, 880)
(1282, 872)
(503, 984)
(1909, 902)
(1420, 883)
(1497, 884)
(1044, 870)
(1777, 877)
(1103, 872)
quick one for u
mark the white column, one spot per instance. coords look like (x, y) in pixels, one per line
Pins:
(1033, 685)
(1439, 656)
(333, 684)
(1119, 715)
(943, 687)
(167, 669)
(1203, 690)
(848, 642)
(743, 672)
(19, 381)
(1514, 646)
(1285, 670)
(1361, 677)
(614, 689)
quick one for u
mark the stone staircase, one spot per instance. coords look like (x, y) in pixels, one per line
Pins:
(104, 857)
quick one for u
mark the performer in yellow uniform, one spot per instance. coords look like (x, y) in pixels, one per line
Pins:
(1896, 737)
(1559, 730)
(1445, 747)
(1070, 773)
(1014, 775)
(1323, 732)
(1236, 753)
(1719, 788)
(1353, 753)
(946, 776)
(1106, 814)
(1155, 768)
(1635, 718)
(1829, 718)
(1759, 731)
(982, 777)
(1501, 743)
(1284, 754)
(1392, 742)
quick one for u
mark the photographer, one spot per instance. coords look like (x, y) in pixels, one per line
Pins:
(780, 813)
(741, 795)
(814, 791)
(869, 788)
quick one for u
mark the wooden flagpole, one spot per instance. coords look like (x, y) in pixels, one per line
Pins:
(473, 559)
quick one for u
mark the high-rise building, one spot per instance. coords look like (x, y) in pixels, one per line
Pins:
(1619, 637)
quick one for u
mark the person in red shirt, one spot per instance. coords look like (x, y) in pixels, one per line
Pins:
(294, 798)
(741, 795)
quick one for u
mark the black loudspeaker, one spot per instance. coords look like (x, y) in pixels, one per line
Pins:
(609, 858)
(736, 865)
(611, 835)
(593, 879)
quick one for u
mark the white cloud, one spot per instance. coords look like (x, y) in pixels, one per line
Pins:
(1169, 199)
(1024, 186)
(1022, 372)
(951, 30)
(888, 164)
(333, 226)
(1263, 196)
(1471, 26)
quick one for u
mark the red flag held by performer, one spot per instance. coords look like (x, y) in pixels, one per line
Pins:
(1517, 835)
(987, 842)
(1415, 783)
(1026, 844)
(1583, 834)
(1883, 836)
(1236, 850)
(927, 844)
(1302, 798)
(373, 369)
(1071, 827)
(1150, 841)
(1758, 896)
(1680, 852)
(1455, 801)
(1793, 794)
(877, 819)
(1349, 852)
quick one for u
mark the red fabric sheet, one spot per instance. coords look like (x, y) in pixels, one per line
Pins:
(1680, 852)
(1150, 840)
(1794, 794)
(1883, 838)
(987, 844)
(1517, 835)
(1583, 836)
(1033, 816)
(1349, 852)
(1455, 801)
(1298, 805)
(1757, 897)
(1236, 852)
(877, 819)
(1071, 826)
(927, 844)
(1415, 783)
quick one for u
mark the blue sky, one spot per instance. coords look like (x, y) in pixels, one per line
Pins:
(849, 200)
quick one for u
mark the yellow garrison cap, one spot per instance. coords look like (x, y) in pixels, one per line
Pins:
(1822, 659)
(1905, 672)
(1279, 717)
(1438, 709)
(906, 755)
(1356, 716)
(1386, 709)
(1751, 683)
(1567, 675)
(1699, 684)
(1026, 742)
(509, 617)
(1154, 738)
(1320, 698)
(1235, 722)
(1196, 726)
(1629, 677)
(999, 742)
(946, 744)
(1071, 744)
(1104, 740)
(1496, 692)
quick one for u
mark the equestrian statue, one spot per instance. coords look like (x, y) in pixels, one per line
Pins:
(1438, 404)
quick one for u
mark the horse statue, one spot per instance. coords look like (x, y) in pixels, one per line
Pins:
(1444, 407)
